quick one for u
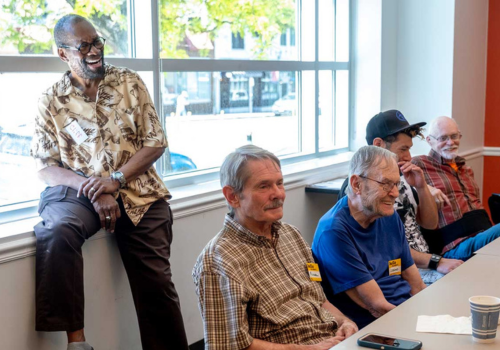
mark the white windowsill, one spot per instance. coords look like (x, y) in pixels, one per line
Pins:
(17, 239)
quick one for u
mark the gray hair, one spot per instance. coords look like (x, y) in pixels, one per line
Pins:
(366, 159)
(233, 171)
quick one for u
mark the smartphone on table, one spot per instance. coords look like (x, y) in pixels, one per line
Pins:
(384, 342)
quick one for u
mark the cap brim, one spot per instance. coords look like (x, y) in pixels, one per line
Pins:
(409, 127)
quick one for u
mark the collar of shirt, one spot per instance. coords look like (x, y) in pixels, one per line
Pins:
(459, 161)
(65, 88)
(251, 237)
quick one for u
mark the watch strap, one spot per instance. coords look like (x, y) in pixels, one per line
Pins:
(118, 176)
(433, 263)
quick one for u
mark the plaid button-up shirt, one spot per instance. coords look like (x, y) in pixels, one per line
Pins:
(119, 123)
(252, 287)
(459, 186)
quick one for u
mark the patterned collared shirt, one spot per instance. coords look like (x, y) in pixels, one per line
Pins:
(252, 287)
(116, 126)
(459, 186)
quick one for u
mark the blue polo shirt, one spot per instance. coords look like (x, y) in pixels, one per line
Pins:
(349, 255)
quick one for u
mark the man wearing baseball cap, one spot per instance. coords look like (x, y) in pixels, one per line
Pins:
(415, 205)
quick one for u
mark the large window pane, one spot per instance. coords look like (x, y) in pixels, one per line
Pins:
(342, 32)
(18, 181)
(342, 109)
(207, 115)
(326, 30)
(326, 103)
(308, 32)
(27, 25)
(225, 29)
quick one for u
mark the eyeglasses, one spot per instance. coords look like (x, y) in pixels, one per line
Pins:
(386, 186)
(445, 138)
(85, 47)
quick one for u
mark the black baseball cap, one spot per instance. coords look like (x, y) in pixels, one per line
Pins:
(387, 123)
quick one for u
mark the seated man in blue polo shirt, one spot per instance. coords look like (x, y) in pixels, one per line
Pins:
(360, 244)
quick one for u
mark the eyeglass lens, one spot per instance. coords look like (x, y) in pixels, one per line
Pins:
(98, 44)
(388, 186)
(446, 137)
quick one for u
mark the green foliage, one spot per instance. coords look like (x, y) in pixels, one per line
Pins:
(28, 24)
(265, 18)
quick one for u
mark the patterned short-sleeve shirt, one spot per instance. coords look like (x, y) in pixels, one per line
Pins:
(252, 287)
(119, 123)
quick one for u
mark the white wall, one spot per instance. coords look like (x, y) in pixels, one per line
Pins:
(434, 63)
(417, 73)
(110, 317)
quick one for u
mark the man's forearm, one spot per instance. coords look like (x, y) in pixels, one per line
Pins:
(427, 215)
(258, 344)
(370, 297)
(55, 176)
(412, 276)
(339, 316)
(420, 259)
(141, 162)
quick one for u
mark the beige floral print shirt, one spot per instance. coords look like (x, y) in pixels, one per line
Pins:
(97, 138)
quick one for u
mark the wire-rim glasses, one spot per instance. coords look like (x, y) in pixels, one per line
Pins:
(445, 138)
(386, 186)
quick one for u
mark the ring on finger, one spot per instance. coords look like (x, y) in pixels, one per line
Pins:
(92, 189)
(108, 218)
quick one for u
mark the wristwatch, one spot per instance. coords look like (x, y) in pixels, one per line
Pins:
(118, 176)
(433, 263)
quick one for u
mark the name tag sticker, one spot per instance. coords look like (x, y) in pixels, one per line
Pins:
(395, 267)
(314, 274)
(76, 132)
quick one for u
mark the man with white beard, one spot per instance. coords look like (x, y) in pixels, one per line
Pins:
(464, 226)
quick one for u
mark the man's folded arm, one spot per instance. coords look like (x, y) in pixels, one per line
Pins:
(55, 176)
(223, 308)
(370, 297)
(412, 276)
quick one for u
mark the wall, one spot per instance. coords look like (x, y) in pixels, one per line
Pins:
(434, 63)
(417, 56)
(110, 317)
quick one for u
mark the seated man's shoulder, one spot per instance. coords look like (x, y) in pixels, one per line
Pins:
(336, 218)
(121, 75)
(423, 160)
(224, 255)
(290, 231)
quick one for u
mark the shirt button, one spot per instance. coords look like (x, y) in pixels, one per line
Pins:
(106, 144)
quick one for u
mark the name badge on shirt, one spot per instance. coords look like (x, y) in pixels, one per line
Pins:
(395, 267)
(76, 132)
(314, 274)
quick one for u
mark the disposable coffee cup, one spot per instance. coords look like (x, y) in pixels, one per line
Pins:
(485, 311)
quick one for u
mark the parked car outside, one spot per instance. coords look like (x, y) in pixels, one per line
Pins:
(287, 105)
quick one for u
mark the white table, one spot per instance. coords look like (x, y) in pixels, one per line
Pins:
(480, 275)
(490, 249)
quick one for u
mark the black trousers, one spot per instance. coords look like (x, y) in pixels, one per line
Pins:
(145, 251)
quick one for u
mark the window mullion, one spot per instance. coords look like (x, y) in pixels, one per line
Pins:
(316, 76)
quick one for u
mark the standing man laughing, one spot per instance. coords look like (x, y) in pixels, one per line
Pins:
(97, 136)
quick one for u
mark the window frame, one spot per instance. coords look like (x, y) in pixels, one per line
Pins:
(158, 66)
